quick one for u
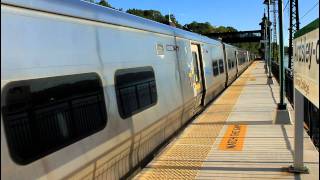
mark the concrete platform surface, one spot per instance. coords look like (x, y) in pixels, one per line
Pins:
(235, 138)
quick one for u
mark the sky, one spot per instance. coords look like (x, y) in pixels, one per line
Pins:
(240, 14)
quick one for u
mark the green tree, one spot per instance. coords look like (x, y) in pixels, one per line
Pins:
(201, 28)
(206, 28)
(155, 16)
(286, 50)
(197, 27)
(104, 3)
(275, 51)
(149, 14)
(249, 46)
(173, 21)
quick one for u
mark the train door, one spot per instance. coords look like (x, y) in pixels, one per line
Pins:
(236, 59)
(198, 86)
(225, 64)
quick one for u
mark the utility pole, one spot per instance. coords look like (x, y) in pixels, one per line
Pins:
(269, 39)
(282, 104)
(293, 27)
(274, 35)
(265, 42)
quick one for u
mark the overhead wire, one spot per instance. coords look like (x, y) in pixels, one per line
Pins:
(315, 5)
(286, 5)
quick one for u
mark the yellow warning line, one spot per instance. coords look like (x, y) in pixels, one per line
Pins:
(234, 138)
(183, 158)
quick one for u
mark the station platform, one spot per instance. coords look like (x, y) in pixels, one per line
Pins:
(235, 138)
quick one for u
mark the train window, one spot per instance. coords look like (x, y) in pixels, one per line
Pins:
(195, 66)
(221, 68)
(229, 63)
(44, 115)
(215, 68)
(241, 58)
(135, 90)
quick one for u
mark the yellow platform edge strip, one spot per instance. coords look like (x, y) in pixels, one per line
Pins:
(163, 168)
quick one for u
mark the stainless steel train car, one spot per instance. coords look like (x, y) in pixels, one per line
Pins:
(243, 60)
(90, 92)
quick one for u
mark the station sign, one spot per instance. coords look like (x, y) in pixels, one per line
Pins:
(306, 62)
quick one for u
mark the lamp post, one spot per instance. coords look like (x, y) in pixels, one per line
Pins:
(264, 40)
(282, 115)
(282, 105)
(265, 45)
(268, 38)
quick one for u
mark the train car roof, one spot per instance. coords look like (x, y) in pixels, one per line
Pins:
(230, 46)
(94, 12)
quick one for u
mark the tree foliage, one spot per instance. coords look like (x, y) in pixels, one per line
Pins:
(201, 28)
(148, 14)
(174, 21)
(250, 46)
(104, 3)
(205, 28)
(197, 27)
(155, 16)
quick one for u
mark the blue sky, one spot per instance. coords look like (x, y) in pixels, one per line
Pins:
(241, 14)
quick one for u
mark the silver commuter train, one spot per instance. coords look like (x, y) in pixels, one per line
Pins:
(90, 92)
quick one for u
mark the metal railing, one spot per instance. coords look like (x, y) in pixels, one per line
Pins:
(288, 83)
(311, 113)
(311, 119)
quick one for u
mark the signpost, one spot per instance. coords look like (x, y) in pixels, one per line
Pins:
(306, 84)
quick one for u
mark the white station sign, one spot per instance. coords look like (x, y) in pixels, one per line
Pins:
(306, 65)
